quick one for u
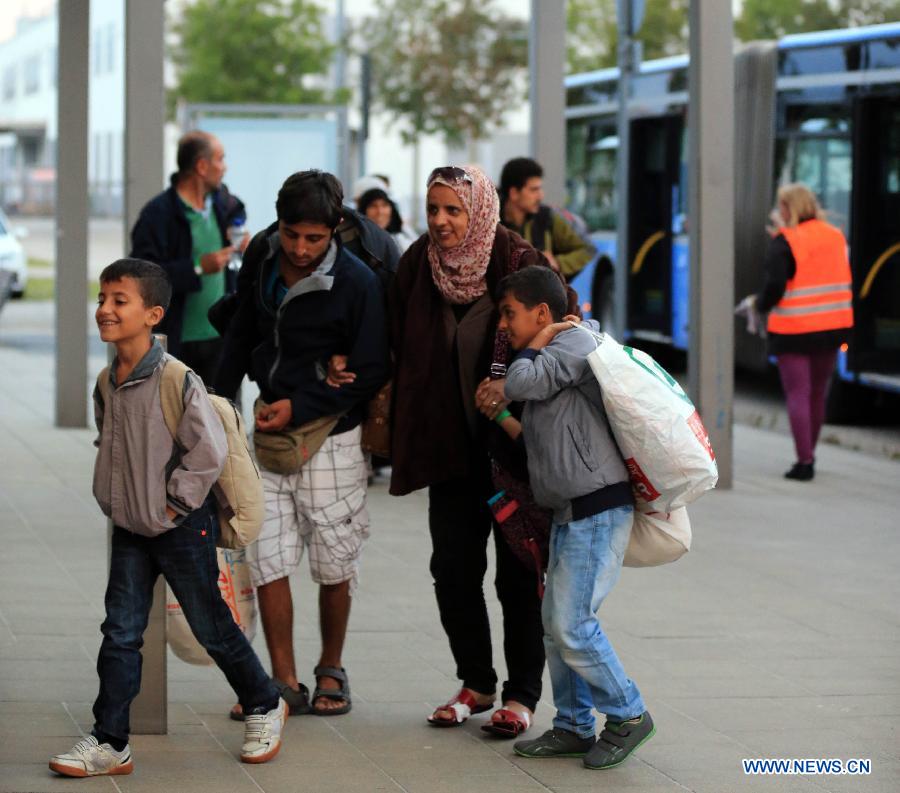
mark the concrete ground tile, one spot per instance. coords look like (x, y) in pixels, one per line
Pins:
(56, 724)
(715, 781)
(507, 783)
(810, 742)
(589, 786)
(885, 778)
(17, 777)
(560, 772)
(292, 772)
(717, 753)
(198, 772)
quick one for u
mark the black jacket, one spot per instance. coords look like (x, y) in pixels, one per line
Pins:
(286, 350)
(162, 234)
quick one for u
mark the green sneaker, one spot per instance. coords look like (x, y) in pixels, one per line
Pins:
(554, 743)
(618, 740)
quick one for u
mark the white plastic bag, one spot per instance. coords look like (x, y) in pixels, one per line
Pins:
(656, 426)
(658, 538)
(237, 592)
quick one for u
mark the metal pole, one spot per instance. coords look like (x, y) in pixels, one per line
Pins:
(73, 20)
(340, 79)
(711, 130)
(626, 66)
(365, 106)
(144, 120)
(546, 60)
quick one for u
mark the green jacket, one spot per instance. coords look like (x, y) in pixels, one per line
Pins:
(549, 231)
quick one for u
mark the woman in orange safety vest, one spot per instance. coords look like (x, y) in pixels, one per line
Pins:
(808, 296)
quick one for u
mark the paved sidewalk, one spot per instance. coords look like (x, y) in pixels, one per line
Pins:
(777, 636)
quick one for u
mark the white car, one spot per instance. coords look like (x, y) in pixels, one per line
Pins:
(12, 256)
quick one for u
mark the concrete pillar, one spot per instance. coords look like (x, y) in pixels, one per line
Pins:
(711, 224)
(73, 20)
(546, 60)
(144, 178)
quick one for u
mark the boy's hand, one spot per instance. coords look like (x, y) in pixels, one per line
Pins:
(274, 417)
(489, 397)
(548, 333)
(215, 262)
(337, 374)
(171, 514)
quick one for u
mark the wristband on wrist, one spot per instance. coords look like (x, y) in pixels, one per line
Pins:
(504, 415)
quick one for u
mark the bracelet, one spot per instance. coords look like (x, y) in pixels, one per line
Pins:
(504, 415)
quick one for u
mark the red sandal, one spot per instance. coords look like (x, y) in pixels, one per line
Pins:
(462, 706)
(509, 724)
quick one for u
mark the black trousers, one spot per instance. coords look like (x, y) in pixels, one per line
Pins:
(460, 524)
(203, 357)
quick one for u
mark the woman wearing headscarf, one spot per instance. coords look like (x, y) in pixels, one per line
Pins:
(378, 206)
(444, 328)
(808, 296)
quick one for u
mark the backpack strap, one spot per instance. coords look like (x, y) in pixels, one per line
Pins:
(103, 385)
(171, 393)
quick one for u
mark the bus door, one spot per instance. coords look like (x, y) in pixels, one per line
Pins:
(655, 153)
(875, 235)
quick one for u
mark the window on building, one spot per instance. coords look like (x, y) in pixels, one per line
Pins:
(9, 83)
(32, 74)
(97, 50)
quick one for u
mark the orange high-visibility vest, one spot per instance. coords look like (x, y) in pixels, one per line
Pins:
(819, 296)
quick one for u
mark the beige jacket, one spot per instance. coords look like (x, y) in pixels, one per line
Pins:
(140, 468)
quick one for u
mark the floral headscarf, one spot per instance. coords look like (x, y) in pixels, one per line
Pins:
(459, 272)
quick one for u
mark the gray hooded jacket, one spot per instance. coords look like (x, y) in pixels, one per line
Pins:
(571, 452)
(140, 468)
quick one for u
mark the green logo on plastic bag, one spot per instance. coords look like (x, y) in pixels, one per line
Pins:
(659, 373)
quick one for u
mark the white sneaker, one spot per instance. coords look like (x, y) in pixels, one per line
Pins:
(262, 734)
(89, 758)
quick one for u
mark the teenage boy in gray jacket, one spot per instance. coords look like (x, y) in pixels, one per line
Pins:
(575, 469)
(155, 489)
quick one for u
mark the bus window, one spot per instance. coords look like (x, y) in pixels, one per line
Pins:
(820, 60)
(591, 167)
(884, 54)
(817, 152)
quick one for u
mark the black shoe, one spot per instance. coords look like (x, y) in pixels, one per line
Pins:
(802, 472)
(618, 740)
(554, 743)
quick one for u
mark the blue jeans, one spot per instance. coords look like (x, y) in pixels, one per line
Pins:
(585, 562)
(186, 557)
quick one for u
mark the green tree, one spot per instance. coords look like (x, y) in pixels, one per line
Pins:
(250, 51)
(772, 19)
(592, 32)
(447, 67)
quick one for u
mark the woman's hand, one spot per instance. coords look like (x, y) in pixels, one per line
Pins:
(274, 417)
(489, 397)
(337, 372)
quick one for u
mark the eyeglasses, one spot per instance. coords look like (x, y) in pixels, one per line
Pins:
(449, 173)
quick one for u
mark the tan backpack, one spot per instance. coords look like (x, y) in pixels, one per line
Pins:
(238, 491)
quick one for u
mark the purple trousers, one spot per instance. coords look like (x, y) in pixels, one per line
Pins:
(805, 377)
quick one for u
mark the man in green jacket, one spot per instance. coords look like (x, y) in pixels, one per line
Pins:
(521, 210)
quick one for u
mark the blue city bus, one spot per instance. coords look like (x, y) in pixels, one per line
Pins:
(820, 108)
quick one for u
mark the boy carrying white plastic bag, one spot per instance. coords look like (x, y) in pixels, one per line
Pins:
(575, 469)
